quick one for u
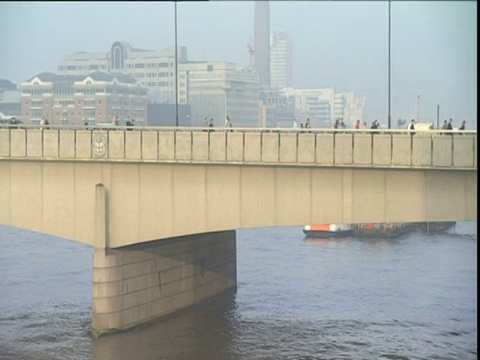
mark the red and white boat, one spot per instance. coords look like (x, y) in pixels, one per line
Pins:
(328, 230)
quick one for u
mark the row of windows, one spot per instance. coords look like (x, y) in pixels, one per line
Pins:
(90, 113)
(159, 83)
(36, 92)
(91, 67)
(154, 75)
(86, 103)
(149, 65)
(105, 67)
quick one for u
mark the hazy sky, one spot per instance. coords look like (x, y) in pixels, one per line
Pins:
(341, 44)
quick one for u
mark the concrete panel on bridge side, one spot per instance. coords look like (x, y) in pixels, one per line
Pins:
(4, 143)
(200, 145)
(258, 199)
(327, 195)
(288, 148)
(67, 144)
(156, 217)
(421, 151)
(368, 198)
(83, 146)
(297, 200)
(5, 193)
(324, 154)
(125, 208)
(189, 206)
(402, 150)
(116, 144)
(26, 196)
(223, 197)
(252, 147)
(234, 147)
(362, 149)
(306, 148)
(34, 143)
(133, 145)
(471, 195)
(58, 213)
(18, 143)
(86, 176)
(382, 149)
(343, 149)
(440, 194)
(218, 146)
(463, 151)
(405, 197)
(442, 150)
(149, 145)
(270, 145)
(183, 146)
(166, 145)
(51, 143)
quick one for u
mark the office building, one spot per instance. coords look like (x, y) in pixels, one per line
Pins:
(215, 89)
(281, 60)
(324, 106)
(154, 70)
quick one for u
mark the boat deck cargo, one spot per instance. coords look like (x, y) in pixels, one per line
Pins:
(374, 230)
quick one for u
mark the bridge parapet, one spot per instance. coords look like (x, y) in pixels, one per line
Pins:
(312, 148)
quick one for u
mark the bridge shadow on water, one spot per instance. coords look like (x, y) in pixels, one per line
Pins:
(201, 332)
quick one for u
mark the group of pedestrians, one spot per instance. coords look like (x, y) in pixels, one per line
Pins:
(301, 125)
(130, 122)
(209, 123)
(448, 125)
(45, 124)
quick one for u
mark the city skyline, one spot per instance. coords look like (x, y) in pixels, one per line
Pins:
(337, 44)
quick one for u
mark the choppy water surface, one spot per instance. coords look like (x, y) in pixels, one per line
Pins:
(410, 298)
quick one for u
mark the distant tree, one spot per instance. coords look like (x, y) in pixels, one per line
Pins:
(6, 85)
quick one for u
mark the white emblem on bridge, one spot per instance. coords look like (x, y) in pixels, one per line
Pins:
(99, 145)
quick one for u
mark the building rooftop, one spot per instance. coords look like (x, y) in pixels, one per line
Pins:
(70, 79)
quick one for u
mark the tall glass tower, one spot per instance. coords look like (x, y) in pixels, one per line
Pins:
(262, 42)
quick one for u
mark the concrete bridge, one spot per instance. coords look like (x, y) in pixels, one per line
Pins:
(161, 205)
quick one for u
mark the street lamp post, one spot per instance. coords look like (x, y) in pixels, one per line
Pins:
(418, 109)
(389, 96)
(176, 69)
(395, 107)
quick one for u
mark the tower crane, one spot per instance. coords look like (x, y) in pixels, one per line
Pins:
(251, 51)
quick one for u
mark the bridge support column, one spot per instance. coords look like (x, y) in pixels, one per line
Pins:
(139, 283)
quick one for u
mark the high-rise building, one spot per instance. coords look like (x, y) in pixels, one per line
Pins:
(262, 42)
(281, 60)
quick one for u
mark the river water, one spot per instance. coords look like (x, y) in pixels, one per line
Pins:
(414, 297)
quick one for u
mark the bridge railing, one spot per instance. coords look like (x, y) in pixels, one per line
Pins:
(436, 149)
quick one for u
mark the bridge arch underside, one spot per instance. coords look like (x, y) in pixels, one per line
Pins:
(146, 201)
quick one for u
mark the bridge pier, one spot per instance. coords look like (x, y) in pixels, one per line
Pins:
(138, 283)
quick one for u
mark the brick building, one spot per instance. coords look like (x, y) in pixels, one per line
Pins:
(70, 99)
